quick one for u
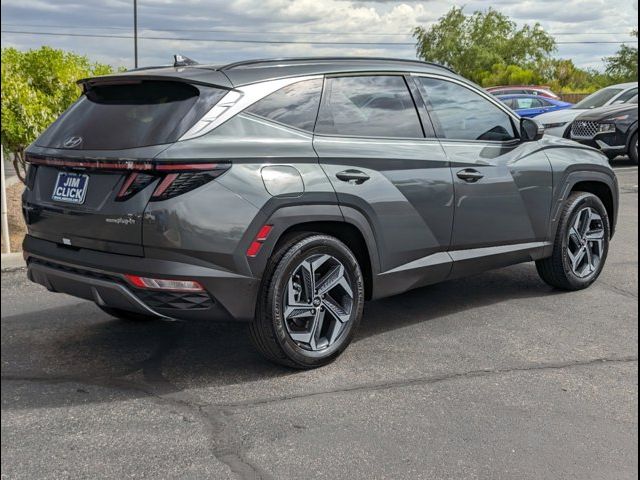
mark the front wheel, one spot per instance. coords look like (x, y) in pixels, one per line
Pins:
(581, 244)
(311, 302)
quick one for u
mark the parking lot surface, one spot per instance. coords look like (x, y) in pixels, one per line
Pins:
(496, 376)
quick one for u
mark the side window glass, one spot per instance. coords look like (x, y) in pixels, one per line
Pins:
(530, 103)
(368, 106)
(462, 114)
(295, 105)
(526, 103)
(628, 95)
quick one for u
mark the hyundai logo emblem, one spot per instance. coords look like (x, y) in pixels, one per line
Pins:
(72, 142)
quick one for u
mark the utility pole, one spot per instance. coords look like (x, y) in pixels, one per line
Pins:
(135, 33)
(5, 221)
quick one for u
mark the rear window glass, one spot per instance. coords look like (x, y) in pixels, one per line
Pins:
(131, 114)
(368, 106)
(598, 99)
(295, 105)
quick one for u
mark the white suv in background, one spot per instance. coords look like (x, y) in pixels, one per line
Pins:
(558, 123)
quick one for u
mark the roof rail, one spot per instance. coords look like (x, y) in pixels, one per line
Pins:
(150, 67)
(301, 59)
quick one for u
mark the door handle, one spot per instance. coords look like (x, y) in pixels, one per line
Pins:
(355, 177)
(469, 175)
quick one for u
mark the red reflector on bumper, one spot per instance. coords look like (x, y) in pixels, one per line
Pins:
(164, 284)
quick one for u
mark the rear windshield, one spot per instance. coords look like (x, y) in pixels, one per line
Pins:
(598, 99)
(129, 115)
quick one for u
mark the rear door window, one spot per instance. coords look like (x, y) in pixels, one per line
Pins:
(295, 105)
(131, 114)
(368, 106)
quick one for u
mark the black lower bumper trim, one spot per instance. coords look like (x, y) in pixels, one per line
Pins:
(104, 292)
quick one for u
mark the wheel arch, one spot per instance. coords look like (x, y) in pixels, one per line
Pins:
(352, 229)
(601, 183)
(603, 192)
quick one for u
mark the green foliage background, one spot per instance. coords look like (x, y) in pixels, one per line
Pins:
(37, 86)
(489, 48)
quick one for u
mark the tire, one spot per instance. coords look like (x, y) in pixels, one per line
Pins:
(284, 329)
(559, 270)
(126, 315)
(633, 148)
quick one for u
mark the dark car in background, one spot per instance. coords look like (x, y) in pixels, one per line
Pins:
(558, 123)
(540, 90)
(532, 105)
(613, 129)
(286, 192)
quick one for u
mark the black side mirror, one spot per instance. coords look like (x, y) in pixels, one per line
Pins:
(530, 130)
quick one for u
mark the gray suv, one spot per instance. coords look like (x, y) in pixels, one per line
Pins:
(285, 193)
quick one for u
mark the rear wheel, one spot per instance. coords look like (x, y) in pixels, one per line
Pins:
(633, 148)
(581, 244)
(126, 315)
(310, 304)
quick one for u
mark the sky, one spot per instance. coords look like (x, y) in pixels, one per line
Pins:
(219, 31)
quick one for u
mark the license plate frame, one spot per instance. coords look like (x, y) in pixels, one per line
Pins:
(70, 187)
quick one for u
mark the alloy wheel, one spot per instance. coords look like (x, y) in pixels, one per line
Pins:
(585, 243)
(318, 302)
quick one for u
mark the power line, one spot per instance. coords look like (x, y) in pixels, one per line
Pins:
(227, 30)
(268, 42)
(252, 32)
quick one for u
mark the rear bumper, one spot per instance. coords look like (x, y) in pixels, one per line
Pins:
(99, 277)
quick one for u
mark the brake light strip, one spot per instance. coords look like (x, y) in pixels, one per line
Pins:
(128, 165)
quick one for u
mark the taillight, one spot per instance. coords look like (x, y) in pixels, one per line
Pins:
(174, 184)
(175, 177)
(133, 183)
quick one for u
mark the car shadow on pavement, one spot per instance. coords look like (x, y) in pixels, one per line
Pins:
(81, 345)
(447, 298)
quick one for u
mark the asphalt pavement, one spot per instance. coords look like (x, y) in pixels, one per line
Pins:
(496, 376)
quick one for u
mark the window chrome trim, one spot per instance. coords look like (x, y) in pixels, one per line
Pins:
(474, 89)
(236, 100)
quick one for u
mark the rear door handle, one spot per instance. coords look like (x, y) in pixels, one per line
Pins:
(355, 177)
(469, 175)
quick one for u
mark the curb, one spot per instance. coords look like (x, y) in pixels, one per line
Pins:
(12, 261)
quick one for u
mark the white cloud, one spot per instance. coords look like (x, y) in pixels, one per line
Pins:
(367, 22)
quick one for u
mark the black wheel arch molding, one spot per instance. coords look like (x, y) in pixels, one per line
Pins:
(585, 180)
(287, 218)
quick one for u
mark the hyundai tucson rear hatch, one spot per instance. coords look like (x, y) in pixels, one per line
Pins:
(92, 173)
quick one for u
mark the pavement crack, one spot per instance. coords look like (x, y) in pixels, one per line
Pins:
(616, 289)
(434, 379)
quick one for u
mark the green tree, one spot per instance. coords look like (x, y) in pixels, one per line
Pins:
(37, 86)
(476, 45)
(623, 66)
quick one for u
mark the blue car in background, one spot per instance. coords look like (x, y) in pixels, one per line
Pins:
(532, 105)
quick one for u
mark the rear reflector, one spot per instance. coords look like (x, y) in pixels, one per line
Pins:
(264, 233)
(164, 284)
(261, 237)
(254, 249)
